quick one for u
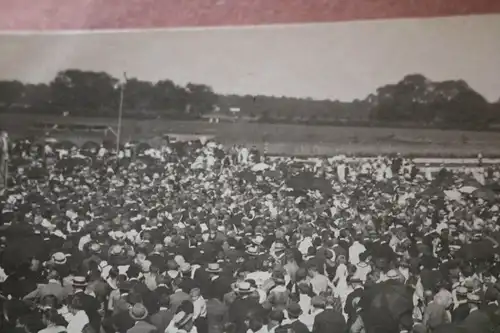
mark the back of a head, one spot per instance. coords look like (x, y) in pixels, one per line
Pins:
(277, 316)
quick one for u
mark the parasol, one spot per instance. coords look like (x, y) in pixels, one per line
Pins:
(64, 145)
(453, 195)
(260, 167)
(90, 145)
(467, 189)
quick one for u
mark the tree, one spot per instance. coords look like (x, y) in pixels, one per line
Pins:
(417, 100)
(139, 95)
(11, 93)
(84, 91)
(170, 97)
(201, 99)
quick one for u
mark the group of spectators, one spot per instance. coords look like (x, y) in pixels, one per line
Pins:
(197, 238)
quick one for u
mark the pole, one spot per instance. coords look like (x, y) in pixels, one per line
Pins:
(4, 159)
(120, 114)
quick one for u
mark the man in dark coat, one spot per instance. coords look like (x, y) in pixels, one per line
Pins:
(164, 316)
(330, 320)
(89, 303)
(294, 311)
(477, 320)
(178, 295)
(357, 292)
(461, 311)
(242, 306)
(217, 283)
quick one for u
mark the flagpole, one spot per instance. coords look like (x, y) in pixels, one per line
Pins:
(120, 114)
(4, 160)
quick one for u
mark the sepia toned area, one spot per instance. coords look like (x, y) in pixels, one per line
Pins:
(308, 90)
(323, 178)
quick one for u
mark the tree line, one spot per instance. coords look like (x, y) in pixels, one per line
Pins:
(413, 101)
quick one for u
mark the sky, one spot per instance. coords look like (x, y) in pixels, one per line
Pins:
(343, 61)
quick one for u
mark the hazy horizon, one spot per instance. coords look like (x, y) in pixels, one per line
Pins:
(336, 61)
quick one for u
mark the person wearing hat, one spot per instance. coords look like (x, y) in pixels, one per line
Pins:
(331, 319)
(477, 320)
(461, 308)
(217, 283)
(243, 304)
(293, 312)
(89, 303)
(275, 320)
(139, 314)
(357, 291)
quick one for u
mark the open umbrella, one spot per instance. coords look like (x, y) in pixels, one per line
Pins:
(385, 306)
(141, 147)
(453, 195)
(90, 145)
(260, 167)
(485, 194)
(66, 145)
(467, 189)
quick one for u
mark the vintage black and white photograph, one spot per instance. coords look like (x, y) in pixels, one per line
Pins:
(311, 178)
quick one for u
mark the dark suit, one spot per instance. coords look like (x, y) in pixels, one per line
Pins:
(329, 321)
(157, 260)
(162, 319)
(142, 327)
(460, 313)
(477, 321)
(349, 309)
(239, 310)
(217, 313)
(177, 298)
(91, 306)
(187, 284)
(220, 286)
(493, 311)
(298, 327)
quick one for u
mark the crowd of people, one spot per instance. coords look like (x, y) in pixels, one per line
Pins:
(197, 238)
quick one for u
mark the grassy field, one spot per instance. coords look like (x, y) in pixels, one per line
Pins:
(294, 139)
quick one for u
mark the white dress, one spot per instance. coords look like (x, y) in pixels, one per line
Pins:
(341, 278)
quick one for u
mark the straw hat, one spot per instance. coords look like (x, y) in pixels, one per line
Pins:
(138, 312)
(59, 258)
(214, 268)
(244, 288)
(79, 281)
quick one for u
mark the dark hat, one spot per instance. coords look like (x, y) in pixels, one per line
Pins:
(294, 310)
